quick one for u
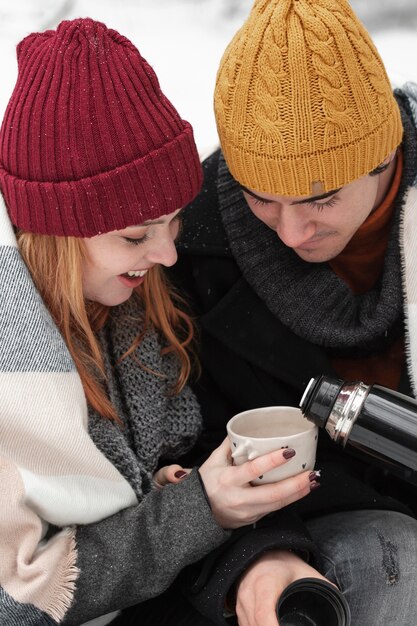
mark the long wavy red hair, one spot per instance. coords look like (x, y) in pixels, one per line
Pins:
(55, 264)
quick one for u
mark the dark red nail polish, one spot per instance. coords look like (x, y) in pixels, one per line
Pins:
(312, 476)
(288, 453)
(314, 485)
(180, 474)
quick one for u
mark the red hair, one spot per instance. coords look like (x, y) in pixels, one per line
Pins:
(55, 264)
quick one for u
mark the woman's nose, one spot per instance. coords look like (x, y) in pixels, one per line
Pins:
(163, 251)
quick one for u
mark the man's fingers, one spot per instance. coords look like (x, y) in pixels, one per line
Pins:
(257, 607)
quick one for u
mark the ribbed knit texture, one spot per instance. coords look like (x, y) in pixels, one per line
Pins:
(89, 143)
(309, 298)
(302, 100)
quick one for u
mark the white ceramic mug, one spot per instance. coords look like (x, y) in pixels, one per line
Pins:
(258, 431)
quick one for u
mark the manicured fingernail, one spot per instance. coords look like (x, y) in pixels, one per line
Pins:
(180, 474)
(312, 476)
(288, 453)
(314, 485)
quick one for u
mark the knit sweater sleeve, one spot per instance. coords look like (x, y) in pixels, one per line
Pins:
(136, 554)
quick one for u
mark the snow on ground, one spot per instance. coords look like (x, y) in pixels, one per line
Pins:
(184, 40)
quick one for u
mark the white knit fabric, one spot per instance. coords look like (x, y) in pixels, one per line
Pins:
(52, 472)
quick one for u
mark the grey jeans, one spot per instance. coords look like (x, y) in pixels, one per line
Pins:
(372, 557)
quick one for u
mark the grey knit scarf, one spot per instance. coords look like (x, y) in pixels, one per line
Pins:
(156, 427)
(310, 298)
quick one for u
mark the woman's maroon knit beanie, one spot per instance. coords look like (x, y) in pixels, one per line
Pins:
(89, 143)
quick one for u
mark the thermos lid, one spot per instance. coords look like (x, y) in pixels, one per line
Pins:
(313, 602)
(319, 397)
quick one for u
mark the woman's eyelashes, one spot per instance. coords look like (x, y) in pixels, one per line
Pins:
(136, 241)
(174, 225)
(177, 225)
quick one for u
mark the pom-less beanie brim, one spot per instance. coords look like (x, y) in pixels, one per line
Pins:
(302, 99)
(145, 189)
(296, 175)
(89, 142)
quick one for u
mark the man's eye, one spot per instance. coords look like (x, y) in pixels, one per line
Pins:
(259, 202)
(136, 242)
(319, 206)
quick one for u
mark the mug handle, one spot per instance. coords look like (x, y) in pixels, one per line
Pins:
(242, 451)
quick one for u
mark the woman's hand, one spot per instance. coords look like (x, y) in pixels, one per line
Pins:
(262, 584)
(234, 501)
(169, 474)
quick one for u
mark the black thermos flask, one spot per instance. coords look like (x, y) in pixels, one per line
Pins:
(374, 419)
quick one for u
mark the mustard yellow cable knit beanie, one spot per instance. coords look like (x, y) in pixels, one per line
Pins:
(303, 103)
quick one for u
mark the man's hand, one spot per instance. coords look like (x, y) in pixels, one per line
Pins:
(262, 584)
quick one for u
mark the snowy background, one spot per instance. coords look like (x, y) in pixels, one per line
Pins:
(184, 40)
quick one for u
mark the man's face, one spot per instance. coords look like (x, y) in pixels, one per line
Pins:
(317, 227)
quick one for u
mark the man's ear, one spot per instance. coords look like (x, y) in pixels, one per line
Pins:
(390, 157)
(385, 164)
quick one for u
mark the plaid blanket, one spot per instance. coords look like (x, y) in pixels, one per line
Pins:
(52, 475)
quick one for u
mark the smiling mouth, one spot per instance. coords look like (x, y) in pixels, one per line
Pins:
(135, 273)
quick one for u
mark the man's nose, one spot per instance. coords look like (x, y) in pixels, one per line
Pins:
(293, 227)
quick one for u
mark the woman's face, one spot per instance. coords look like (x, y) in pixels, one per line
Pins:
(117, 262)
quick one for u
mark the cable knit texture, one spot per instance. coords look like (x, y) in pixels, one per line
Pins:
(302, 99)
(310, 298)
